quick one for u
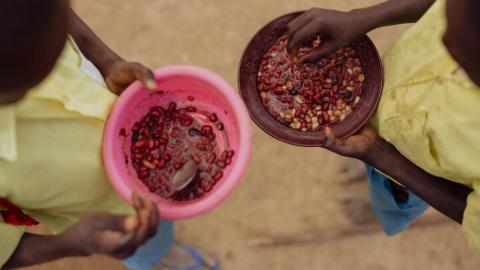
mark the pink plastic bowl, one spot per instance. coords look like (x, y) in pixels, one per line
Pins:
(176, 83)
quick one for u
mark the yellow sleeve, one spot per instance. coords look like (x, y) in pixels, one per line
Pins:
(471, 219)
(10, 237)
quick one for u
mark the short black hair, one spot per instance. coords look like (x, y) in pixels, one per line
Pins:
(474, 12)
(23, 23)
(23, 18)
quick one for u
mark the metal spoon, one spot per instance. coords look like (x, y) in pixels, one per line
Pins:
(183, 177)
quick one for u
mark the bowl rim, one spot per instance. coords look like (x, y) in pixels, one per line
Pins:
(321, 134)
(173, 211)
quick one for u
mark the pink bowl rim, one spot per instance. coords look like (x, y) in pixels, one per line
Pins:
(243, 154)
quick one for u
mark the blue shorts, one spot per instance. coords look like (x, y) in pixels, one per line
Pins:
(394, 217)
(150, 254)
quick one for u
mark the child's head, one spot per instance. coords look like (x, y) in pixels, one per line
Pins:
(33, 34)
(463, 35)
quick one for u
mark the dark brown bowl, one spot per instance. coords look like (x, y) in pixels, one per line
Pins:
(247, 82)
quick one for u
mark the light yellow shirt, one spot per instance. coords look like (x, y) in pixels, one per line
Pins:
(430, 110)
(50, 151)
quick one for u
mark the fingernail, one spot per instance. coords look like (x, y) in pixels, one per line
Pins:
(151, 85)
(125, 239)
(131, 223)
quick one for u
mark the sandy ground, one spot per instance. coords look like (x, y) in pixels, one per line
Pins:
(286, 213)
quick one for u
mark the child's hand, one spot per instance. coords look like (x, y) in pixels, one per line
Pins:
(122, 73)
(116, 236)
(335, 28)
(358, 146)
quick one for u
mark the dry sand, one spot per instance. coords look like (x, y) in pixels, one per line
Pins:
(286, 213)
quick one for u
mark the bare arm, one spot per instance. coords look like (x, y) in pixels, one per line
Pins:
(446, 196)
(117, 72)
(102, 233)
(392, 12)
(442, 194)
(92, 46)
(36, 249)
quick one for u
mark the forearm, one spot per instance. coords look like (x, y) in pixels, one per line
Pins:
(37, 249)
(92, 46)
(447, 197)
(392, 12)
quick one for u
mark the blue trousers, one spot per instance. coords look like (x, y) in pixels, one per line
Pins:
(394, 217)
(150, 254)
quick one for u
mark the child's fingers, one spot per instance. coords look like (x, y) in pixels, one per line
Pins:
(138, 205)
(150, 218)
(153, 215)
(142, 232)
(367, 132)
(131, 223)
(116, 233)
(324, 50)
(147, 220)
(294, 26)
(111, 222)
(306, 33)
(126, 238)
(136, 201)
(331, 138)
(147, 213)
(144, 75)
(113, 242)
(333, 143)
(131, 241)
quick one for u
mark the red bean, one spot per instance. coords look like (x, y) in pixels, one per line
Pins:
(213, 117)
(201, 147)
(221, 164)
(172, 106)
(191, 109)
(195, 158)
(178, 165)
(163, 135)
(139, 144)
(162, 148)
(206, 129)
(217, 176)
(224, 155)
(149, 165)
(161, 164)
(313, 85)
(211, 158)
(186, 120)
(205, 140)
(143, 174)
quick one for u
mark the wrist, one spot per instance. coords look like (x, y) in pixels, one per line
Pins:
(73, 245)
(364, 19)
(377, 153)
(106, 64)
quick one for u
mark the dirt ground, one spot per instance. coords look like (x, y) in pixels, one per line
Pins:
(286, 213)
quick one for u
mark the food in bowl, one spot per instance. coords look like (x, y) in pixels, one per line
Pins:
(310, 96)
(178, 84)
(165, 139)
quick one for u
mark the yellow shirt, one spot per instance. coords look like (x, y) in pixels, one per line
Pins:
(430, 110)
(50, 152)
